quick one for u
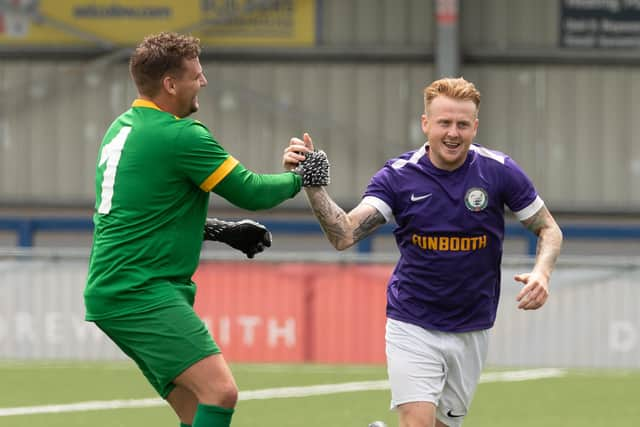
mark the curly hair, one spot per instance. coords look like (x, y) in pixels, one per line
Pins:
(456, 88)
(159, 54)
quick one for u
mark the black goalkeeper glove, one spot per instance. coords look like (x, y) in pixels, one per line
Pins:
(247, 236)
(314, 169)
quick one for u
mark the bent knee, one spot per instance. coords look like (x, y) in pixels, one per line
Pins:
(228, 394)
(220, 393)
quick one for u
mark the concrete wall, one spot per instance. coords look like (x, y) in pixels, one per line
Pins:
(570, 124)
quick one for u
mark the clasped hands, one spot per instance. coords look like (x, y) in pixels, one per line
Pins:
(251, 237)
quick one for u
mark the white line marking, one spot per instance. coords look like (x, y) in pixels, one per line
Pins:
(93, 405)
(531, 374)
(269, 393)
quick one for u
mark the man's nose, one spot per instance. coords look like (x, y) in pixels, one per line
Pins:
(453, 131)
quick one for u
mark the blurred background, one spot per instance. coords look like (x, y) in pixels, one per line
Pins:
(559, 81)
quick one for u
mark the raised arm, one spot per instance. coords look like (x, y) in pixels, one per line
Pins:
(536, 290)
(343, 229)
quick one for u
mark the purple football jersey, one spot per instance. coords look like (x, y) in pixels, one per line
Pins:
(450, 229)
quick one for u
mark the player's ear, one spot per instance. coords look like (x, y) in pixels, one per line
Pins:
(169, 84)
(424, 123)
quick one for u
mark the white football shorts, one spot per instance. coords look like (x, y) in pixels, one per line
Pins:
(433, 366)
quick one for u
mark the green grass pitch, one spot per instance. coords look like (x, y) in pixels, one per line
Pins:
(579, 398)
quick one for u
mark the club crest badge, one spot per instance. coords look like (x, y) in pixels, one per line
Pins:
(476, 199)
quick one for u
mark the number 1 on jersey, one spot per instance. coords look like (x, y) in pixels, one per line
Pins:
(111, 155)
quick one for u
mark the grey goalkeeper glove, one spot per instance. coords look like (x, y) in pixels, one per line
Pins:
(247, 236)
(314, 169)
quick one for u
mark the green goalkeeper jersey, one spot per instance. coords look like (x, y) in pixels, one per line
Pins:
(153, 178)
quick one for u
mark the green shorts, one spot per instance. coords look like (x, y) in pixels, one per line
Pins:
(163, 341)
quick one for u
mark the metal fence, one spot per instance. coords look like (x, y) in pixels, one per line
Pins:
(590, 320)
(26, 229)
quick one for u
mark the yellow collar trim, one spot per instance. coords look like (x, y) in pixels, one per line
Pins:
(149, 104)
(144, 103)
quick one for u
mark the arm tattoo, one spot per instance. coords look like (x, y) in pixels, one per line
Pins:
(549, 235)
(331, 217)
(368, 225)
(341, 229)
(536, 222)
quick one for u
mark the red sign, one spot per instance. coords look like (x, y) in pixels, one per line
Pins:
(294, 312)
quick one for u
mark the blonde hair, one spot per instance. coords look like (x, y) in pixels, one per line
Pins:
(456, 88)
(159, 54)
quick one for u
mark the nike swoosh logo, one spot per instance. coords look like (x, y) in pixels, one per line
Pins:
(415, 198)
(449, 414)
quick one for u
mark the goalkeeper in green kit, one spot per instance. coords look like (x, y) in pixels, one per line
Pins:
(154, 172)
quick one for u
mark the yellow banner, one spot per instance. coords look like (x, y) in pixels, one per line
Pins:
(124, 23)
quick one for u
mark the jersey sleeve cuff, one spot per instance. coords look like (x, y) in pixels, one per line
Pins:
(219, 174)
(380, 205)
(530, 210)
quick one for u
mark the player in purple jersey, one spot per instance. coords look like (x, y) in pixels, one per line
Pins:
(447, 199)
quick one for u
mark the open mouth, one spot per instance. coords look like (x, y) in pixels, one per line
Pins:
(451, 145)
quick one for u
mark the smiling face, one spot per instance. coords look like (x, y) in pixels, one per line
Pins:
(166, 70)
(186, 87)
(450, 126)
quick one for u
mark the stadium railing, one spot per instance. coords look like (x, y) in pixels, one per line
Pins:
(26, 229)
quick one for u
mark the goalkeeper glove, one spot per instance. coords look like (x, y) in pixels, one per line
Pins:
(314, 169)
(247, 236)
